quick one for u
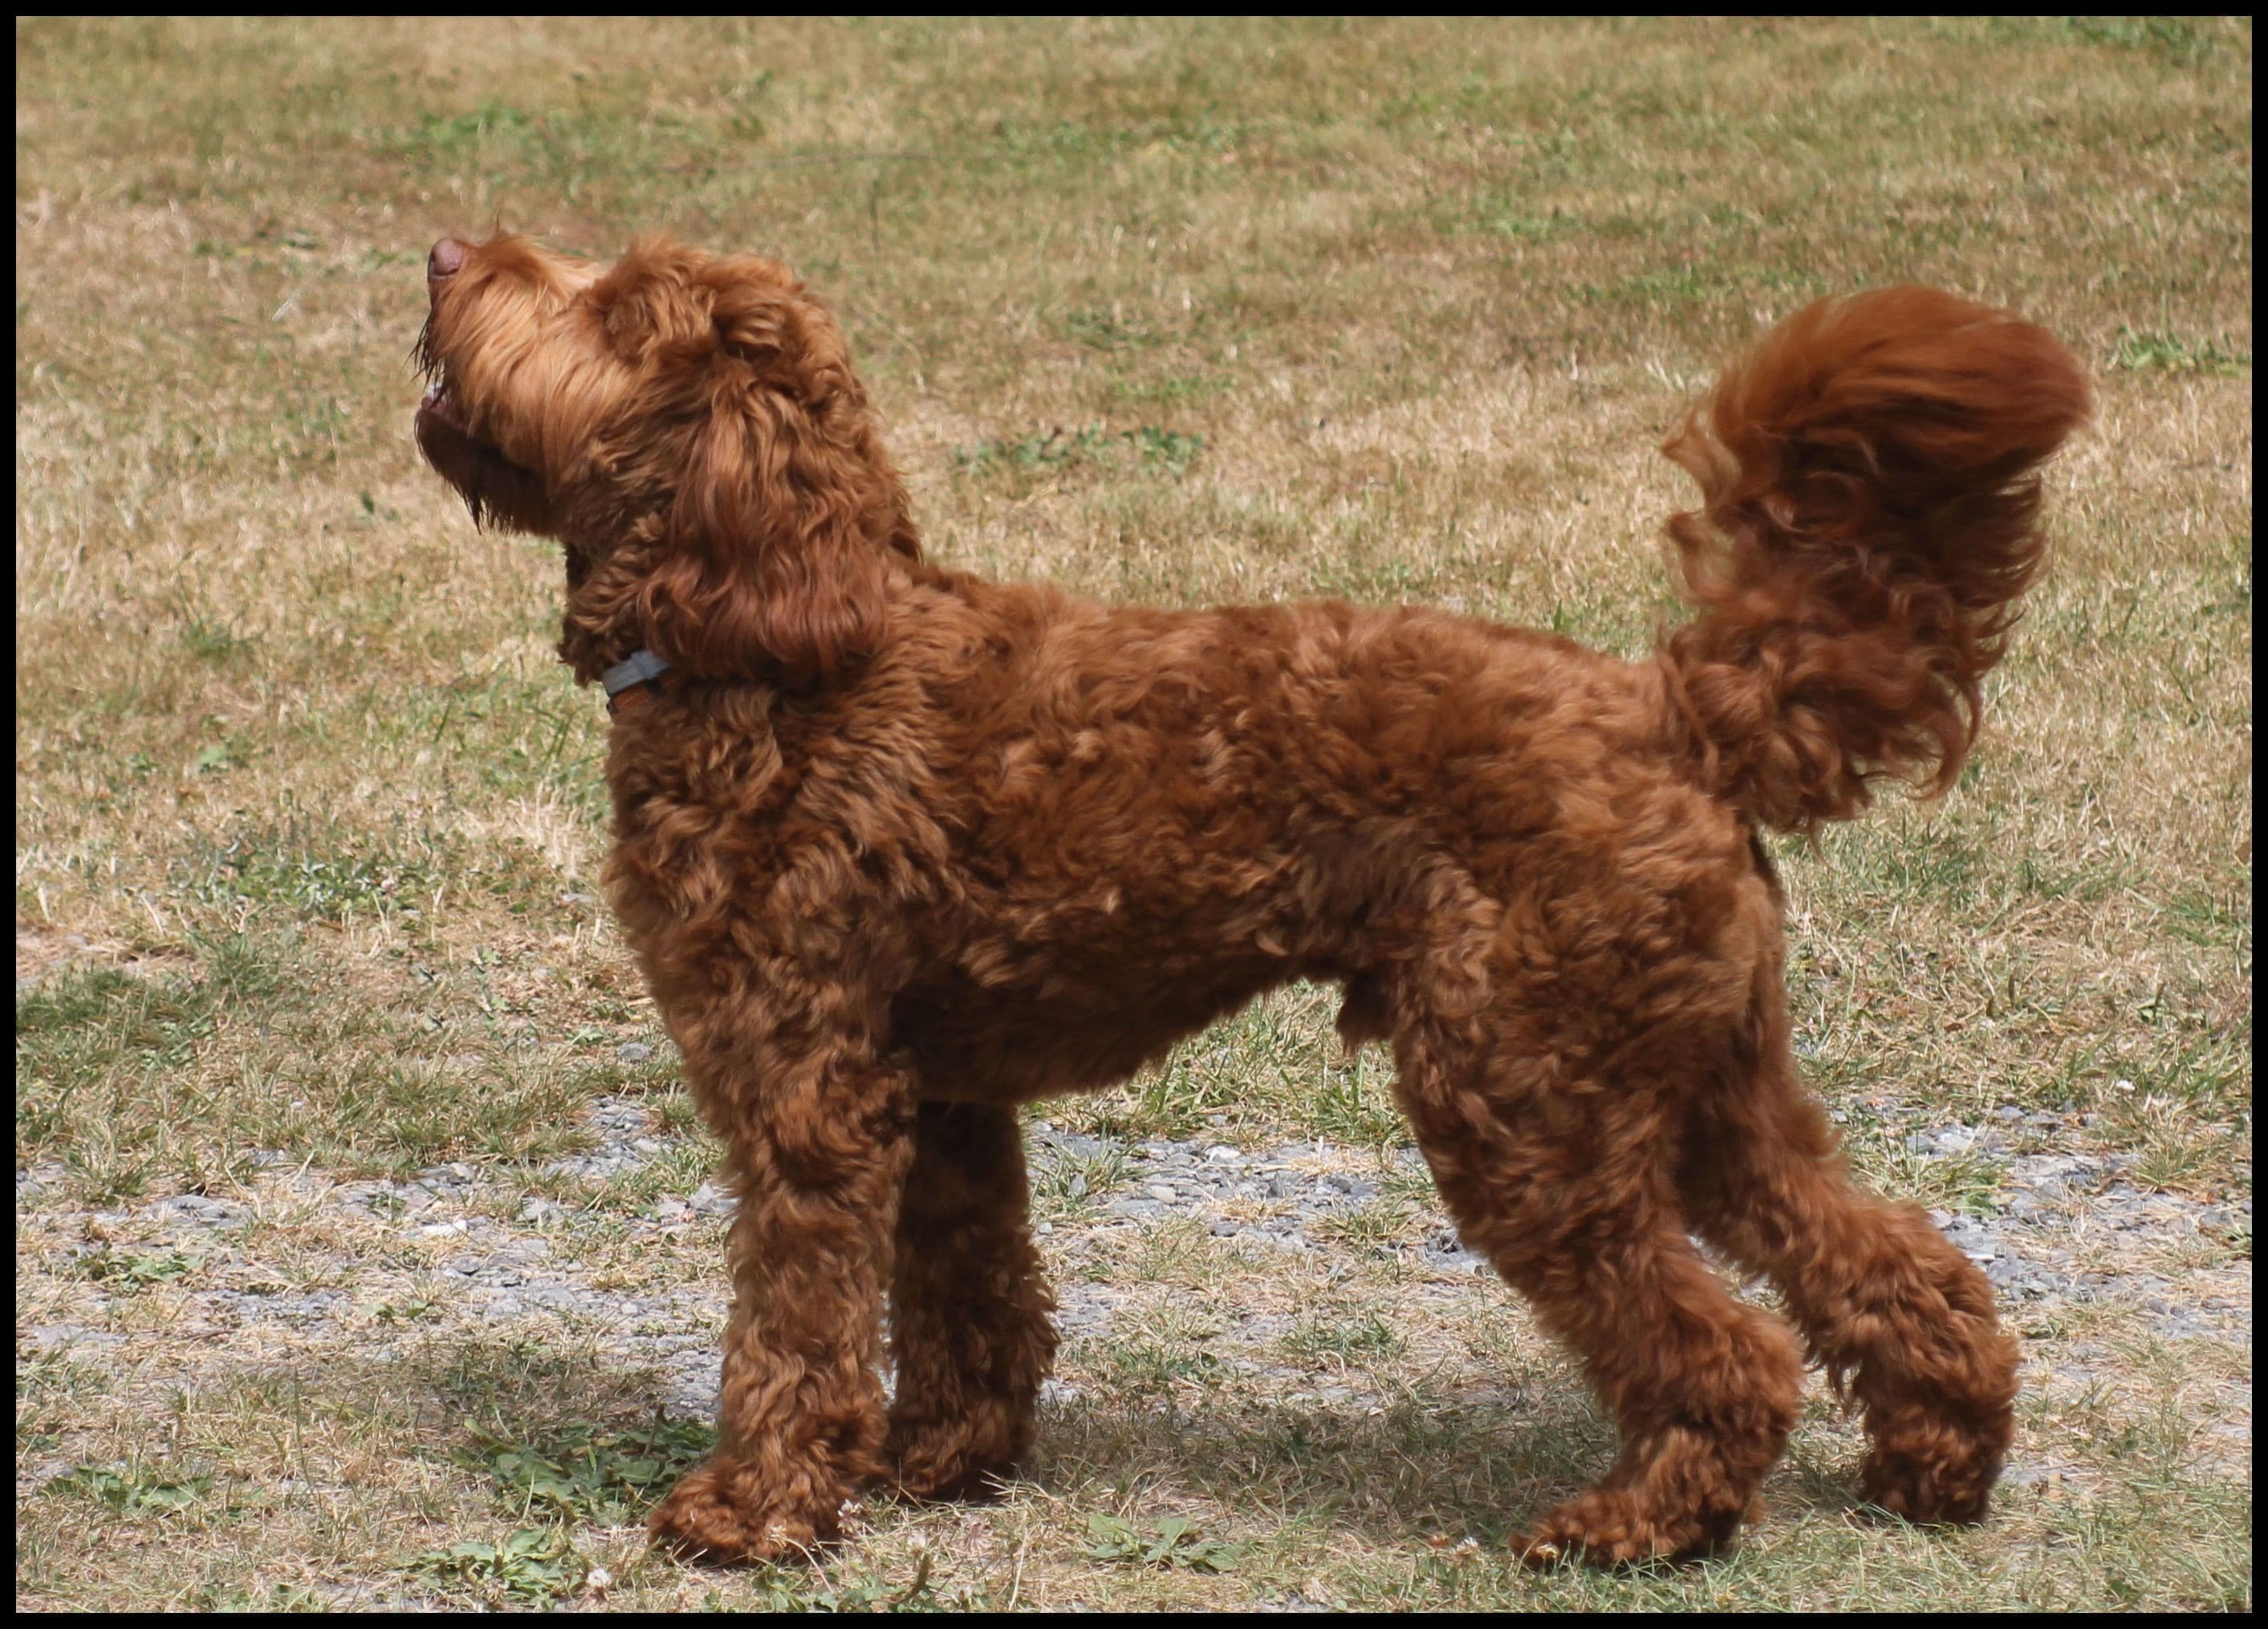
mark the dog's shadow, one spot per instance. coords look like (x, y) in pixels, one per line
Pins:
(1427, 1464)
(1421, 1464)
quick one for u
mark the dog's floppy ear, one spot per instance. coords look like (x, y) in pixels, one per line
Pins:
(780, 510)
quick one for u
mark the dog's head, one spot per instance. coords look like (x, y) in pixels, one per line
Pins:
(688, 425)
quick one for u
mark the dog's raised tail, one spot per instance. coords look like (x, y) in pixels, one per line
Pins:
(1870, 512)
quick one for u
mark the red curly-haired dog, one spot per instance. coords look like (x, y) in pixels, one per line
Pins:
(899, 849)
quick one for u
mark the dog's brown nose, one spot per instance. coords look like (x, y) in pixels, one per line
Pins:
(448, 255)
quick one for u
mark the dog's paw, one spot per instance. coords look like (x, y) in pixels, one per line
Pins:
(1612, 1528)
(966, 1484)
(1929, 1489)
(1935, 1465)
(724, 1514)
(937, 1463)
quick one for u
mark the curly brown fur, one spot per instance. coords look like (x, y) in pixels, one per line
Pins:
(898, 849)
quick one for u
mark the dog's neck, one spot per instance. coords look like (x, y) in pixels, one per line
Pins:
(610, 606)
(602, 627)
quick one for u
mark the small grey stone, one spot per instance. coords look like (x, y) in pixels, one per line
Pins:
(49, 1337)
(634, 1052)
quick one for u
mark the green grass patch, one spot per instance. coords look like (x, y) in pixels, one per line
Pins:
(1147, 446)
(609, 1476)
(133, 1271)
(2139, 353)
(533, 1566)
(1067, 1184)
(1370, 1229)
(1167, 1541)
(137, 1490)
(1348, 1335)
(791, 1589)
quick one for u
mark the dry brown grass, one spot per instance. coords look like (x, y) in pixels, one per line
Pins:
(308, 817)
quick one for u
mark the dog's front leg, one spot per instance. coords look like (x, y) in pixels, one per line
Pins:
(818, 1131)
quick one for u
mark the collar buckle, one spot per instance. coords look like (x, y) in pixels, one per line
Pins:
(623, 680)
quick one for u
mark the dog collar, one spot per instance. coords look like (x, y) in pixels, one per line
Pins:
(624, 678)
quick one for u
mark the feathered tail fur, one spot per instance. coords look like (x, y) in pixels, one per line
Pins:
(1870, 503)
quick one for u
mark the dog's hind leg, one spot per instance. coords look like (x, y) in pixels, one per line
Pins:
(970, 1310)
(1899, 1316)
(1564, 1183)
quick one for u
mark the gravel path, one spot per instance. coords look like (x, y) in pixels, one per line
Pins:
(2071, 1230)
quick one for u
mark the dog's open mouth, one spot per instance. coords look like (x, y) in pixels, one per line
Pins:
(441, 402)
(494, 488)
(440, 413)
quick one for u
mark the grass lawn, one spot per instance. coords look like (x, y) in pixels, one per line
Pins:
(315, 996)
